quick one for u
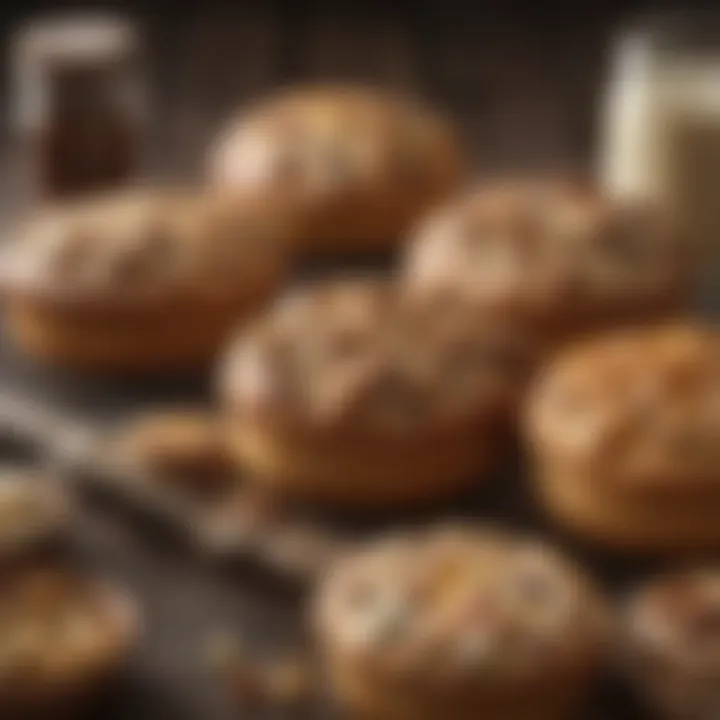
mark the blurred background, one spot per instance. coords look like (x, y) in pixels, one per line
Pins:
(523, 78)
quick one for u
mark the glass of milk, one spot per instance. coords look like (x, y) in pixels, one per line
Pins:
(661, 128)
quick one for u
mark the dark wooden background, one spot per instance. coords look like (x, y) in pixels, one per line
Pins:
(521, 78)
(523, 81)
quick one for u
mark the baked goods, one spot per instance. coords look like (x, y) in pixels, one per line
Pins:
(344, 394)
(626, 437)
(671, 644)
(139, 281)
(34, 512)
(62, 637)
(185, 448)
(460, 623)
(357, 164)
(553, 252)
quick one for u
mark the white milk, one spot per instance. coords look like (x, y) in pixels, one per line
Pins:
(662, 140)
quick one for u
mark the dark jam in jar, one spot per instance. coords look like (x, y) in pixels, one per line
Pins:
(79, 102)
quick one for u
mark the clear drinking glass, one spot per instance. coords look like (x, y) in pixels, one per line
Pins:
(661, 129)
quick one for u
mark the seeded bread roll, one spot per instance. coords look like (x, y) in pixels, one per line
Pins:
(626, 437)
(344, 394)
(357, 164)
(551, 252)
(459, 623)
(144, 281)
(671, 644)
(62, 639)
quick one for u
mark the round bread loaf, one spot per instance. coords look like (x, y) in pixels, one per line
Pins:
(626, 437)
(358, 165)
(63, 637)
(551, 252)
(671, 644)
(460, 623)
(140, 281)
(343, 393)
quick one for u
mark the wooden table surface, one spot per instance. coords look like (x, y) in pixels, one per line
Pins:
(524, 87)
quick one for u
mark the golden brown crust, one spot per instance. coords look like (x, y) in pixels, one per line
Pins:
(551, 251)
(459, 619)
(671, 643)
(63, 636)
(626, 433)
(350, 354)
(186, 447)
(34, 510)
(343, 380)
(357, 163)
(141, 280)
(143, 247)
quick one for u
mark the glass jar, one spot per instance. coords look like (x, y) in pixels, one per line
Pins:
(79, 103)
(661, 130)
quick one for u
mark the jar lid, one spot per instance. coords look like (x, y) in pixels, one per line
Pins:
(48, 47)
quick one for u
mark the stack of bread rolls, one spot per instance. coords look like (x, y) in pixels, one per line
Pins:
(521, 309)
